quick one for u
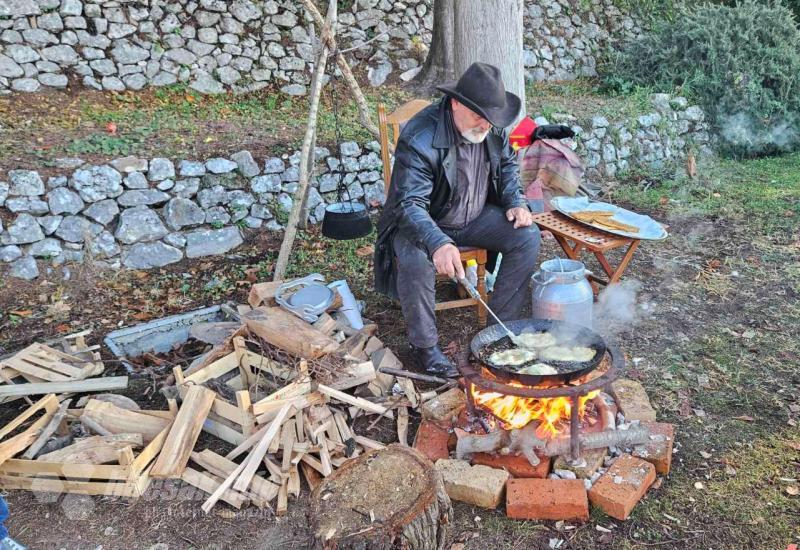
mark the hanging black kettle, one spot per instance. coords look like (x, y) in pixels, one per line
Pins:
(346, 220)
(343, 219)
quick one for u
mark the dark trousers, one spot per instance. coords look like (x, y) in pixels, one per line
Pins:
(491, 230)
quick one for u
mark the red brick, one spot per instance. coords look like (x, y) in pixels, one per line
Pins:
(431, 440)
(657, 451)
(633, 401)
(516, 465)
(555, 499)
(618, 490)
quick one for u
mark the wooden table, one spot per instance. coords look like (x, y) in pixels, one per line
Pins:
(574, 236)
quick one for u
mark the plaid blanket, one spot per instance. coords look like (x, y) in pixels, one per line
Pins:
(549, 169)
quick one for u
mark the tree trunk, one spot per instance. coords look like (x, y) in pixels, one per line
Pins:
(388, 498)
(490, 31)
(439, 65)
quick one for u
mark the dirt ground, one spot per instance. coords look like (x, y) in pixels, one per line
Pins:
(714, 337)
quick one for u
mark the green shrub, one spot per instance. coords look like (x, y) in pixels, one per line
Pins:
(741, 63)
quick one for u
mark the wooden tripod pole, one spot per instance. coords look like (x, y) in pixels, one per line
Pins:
(328, 31)
(347, 74)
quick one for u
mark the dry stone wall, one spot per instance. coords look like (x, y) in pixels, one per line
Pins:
(145, 213)
(244, 45)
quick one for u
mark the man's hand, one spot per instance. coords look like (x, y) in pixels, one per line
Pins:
(447, 261)
(520, 216)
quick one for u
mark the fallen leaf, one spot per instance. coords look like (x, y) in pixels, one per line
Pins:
(795, 446)
(730, 470)
(699, 412)
(142, 316)
(749, 334)
(657, 483)
(365, 251)
(457, 546)
(62, 328)
(705, 455)
(21, 312)
(663, 201)
(793, 490)
(111, 128)
(699, 485)
(744, 418)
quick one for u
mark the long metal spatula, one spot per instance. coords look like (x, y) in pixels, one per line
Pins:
(473, 292)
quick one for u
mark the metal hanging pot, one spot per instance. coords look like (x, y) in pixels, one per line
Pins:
(346, 220)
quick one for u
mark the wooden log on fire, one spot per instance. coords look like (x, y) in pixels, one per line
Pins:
(388, 498)
(526, 442)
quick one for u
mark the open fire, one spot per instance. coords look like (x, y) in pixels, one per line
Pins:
(517, 412)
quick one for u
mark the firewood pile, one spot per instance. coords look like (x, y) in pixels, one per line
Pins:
(281, 392)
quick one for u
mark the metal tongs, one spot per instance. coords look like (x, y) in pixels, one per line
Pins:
(473, 292)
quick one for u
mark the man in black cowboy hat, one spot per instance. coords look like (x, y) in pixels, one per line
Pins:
(455, 183)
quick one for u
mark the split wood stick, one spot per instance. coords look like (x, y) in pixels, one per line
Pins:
(287, 440)
(47, 431)
(607, 417)
(224, 486)
(97, 449)
(368, 443)
(90, 385)
(351, 400)
(254, 459)
(328, 29)
(183, 434)
(413, 375)
(208, 484)
(273, 469)
(283, 499)
(341, 425)
(222, 467)
(325, 457)
(312, 462)
(294, 481)
(402, 426)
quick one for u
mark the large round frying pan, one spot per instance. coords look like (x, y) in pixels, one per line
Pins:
(494, 336)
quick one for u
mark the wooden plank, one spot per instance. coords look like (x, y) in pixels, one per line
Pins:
(118, 420)
(373, 345)
(48, 430)
(254, 459)
(97, 449)
(206, 483)
(222, 431)
(351, 400)
(383, 382)
(222, 467)
(183, 434)
(326, 324)
(80, 471)
(90, 385)
(278, 370)
(21, 441)
(69, 486)
(289, 332)
(294, 481)
(283, 499)
(288, 436)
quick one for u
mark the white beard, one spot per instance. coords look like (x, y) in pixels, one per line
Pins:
(474, 135)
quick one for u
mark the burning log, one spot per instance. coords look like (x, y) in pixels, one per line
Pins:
(525, 441)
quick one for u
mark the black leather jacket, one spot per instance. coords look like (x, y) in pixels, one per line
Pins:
(420, 192)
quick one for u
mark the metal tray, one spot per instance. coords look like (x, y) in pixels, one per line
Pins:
(161, 335)
(649, 229)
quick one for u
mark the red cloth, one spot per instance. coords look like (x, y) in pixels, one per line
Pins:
(522, 135)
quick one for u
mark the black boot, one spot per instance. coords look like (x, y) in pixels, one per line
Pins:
(435, 362)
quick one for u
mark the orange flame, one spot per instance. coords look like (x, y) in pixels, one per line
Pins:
(518, 412)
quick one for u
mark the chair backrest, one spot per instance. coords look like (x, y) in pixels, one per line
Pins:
(394, 120)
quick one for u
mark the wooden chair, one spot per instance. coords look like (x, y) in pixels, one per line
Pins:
(395, 120)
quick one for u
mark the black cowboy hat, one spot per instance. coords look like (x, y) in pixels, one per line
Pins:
(481, 89)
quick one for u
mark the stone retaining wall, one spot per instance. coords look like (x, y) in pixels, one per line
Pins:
(144, 213)
(214, 45)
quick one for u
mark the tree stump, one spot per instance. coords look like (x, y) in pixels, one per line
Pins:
(388, 498)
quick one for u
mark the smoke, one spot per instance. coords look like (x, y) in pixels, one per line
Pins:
(616, 310)
(744, 132)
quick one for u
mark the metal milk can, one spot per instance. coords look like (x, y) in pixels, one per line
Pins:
(561, 292)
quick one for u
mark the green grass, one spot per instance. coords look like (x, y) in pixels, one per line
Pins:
(585, 99)
(763, 190)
